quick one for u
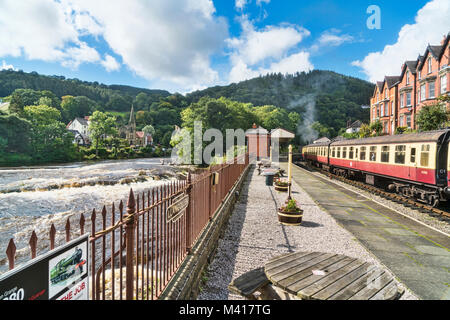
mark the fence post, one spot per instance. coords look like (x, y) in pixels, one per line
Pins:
(209, 188)
(129, 236)
(188, 239)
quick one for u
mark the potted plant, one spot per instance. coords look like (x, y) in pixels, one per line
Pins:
(281, 185)
(290, 214)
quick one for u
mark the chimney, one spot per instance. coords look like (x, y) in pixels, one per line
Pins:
(443, 39)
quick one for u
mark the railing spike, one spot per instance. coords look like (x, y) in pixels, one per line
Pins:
(68, 230)
(11, 253)
(33, 244)
(52, 236)
(82, 222)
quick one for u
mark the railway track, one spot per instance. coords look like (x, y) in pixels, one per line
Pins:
(407, 202)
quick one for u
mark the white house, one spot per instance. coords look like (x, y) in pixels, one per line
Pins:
(354, 127)
(80, 128)
(79, 124)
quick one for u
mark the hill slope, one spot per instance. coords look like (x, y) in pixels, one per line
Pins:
(323, 96)
(60, 86)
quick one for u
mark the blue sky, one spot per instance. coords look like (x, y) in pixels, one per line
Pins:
(183, 45)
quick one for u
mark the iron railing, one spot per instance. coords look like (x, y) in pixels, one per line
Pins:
(135, 250)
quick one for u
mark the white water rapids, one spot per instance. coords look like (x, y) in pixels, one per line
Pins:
(32, 198)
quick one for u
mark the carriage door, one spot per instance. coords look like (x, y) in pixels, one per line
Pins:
(412, 163)
(441, 168)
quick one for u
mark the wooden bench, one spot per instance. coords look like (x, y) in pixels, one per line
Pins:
(251, 282)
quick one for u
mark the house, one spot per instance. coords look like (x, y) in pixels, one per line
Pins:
(79, 124)
(143, 139)
(80, 129)
(354, 127)
(397, 100)
(80, 139)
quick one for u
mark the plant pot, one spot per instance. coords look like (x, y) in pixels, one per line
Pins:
(281, 188)
(290, 218)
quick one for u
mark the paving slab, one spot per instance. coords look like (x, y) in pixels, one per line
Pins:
(418, 255)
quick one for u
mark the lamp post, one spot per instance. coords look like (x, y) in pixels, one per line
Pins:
(290, 171)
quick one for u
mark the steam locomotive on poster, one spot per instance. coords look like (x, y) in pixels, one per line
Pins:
(67, 267)
(415, 165)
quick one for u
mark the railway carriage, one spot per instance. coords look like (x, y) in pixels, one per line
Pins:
(414, 165)
(316, 154)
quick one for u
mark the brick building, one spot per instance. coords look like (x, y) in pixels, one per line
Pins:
(397, 100)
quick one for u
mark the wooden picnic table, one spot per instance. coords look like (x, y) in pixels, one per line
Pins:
(326, 276)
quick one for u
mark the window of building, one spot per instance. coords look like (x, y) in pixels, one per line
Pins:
(420, 75)
(351, 153)
(385, 94)
(424, 155)
(382, 110)
(407, 77)
(402, 100)
(431, 89)
(422, 92)
(443, 84)
(386, 109)
(429, 65)
(344, 152)
(408, 120)
(373, 153)
(400, 154)
(401, 121)
(339, 152)
(362, 155)
(408, 98)
(385, 154)
(413, 155)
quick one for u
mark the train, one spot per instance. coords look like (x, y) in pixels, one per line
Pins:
(414, 165)
(66, 268)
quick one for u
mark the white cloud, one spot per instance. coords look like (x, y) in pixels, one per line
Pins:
(163, 40)
(110, 63)
(272, 49)
(334, 39)
(431, 23)
(5, 66)
(41, 29)
(240, 4)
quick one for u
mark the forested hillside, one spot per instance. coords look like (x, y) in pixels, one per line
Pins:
(324, 99)
(109, 97)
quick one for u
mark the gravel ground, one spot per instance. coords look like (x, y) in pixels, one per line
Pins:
(435, 222)
(254, 235)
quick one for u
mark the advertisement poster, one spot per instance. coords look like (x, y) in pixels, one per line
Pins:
(61, 274)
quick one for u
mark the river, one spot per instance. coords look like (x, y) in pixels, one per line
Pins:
(31, 198)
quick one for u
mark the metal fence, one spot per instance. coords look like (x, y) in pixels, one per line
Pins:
(136, 249)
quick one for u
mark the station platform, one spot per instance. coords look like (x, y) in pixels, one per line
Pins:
(419, 256)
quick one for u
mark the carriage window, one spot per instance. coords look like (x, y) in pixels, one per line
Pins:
(424, 155)
(400, 154)
(350, 153)
(344, 152)
(333, 152)
(362, 155)
(385, 154)
(339, 152)
(356, 153)
(373, 153)
(413, 155)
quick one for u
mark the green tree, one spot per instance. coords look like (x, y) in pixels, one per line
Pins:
(431, 117)
(365, 131)
(149, 130)
(376, 128)
(101, 125)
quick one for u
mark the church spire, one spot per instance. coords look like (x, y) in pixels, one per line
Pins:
(132, 118)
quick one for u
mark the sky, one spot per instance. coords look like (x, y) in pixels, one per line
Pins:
(187, 45)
